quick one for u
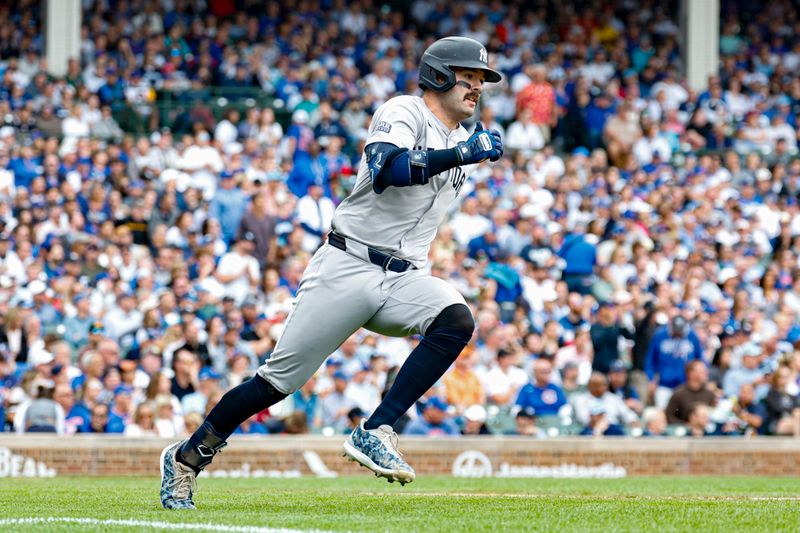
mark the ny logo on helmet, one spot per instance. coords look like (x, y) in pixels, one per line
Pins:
(484, 56)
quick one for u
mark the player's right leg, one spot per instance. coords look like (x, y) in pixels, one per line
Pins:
(337, 295)
(417, 303)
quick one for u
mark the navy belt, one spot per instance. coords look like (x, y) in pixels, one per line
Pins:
(376, 257)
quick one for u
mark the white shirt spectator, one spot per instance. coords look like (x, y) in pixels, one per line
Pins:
(235, 263)
(497, 382)
(524, 137)
(645, 149)
(615, 408)
(225, 133)
(675, 94)
(317, 215)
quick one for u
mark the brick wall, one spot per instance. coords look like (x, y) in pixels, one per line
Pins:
(277, 456)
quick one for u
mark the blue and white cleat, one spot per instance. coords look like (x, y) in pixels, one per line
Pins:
(376, 449)
(178, 481)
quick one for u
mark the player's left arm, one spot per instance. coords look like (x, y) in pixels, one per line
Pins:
(390, 165)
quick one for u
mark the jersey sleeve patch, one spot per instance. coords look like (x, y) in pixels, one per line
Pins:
(383, 126)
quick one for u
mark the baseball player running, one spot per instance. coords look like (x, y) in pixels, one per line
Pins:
(372, 271)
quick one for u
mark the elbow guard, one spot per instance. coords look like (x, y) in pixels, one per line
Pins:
(400, 167)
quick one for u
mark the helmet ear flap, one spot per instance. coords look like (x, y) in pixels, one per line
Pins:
(430, 78)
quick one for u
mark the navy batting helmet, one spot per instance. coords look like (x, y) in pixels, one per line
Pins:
(453, 52)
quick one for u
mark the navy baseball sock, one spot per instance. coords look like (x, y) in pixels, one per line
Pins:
(424, 366)
(236, 406)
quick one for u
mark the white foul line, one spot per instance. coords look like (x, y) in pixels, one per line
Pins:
(150, 524)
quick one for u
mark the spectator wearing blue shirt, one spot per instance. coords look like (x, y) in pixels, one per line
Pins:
(306, 400)
(670, 349)
(102, 421)
(580, 257)
(545, 397)
(433, 422)
(228, 206)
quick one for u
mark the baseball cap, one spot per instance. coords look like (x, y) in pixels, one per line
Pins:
(333, 362)
(340, 375)
(751, 349)
(124, 389)
(97, 328)
(475, 413)
(208, 373)
(436, 403)
(617, 365)
(249, 236)
(527, 412)
(37, 287)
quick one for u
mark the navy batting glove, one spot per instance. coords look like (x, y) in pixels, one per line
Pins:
(481, 145)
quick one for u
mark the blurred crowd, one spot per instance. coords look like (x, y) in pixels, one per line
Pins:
(632, 262)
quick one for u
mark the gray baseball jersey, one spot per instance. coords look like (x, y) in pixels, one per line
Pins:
(342, 291)
(403, 220)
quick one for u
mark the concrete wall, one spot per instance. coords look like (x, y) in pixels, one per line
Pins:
(510, 457)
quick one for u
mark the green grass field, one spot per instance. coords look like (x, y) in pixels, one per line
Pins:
(446, 504)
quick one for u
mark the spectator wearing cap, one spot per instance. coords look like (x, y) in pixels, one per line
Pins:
(619, 384)
(258, 221)
(49, 316)
(461, 384)
(299, 147)
(525, 424)
(229, 204)
(599, 424)
(362, 391)
(694, 391)
(123, 405)
(315, 214)
(238, 271)
(434, 421)
(580, 257)
(545, 397)
(670, 349)
(336, 404)
(504, 379)
(747, 370)
(475, 417)
(606, 334)
(124, 319)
